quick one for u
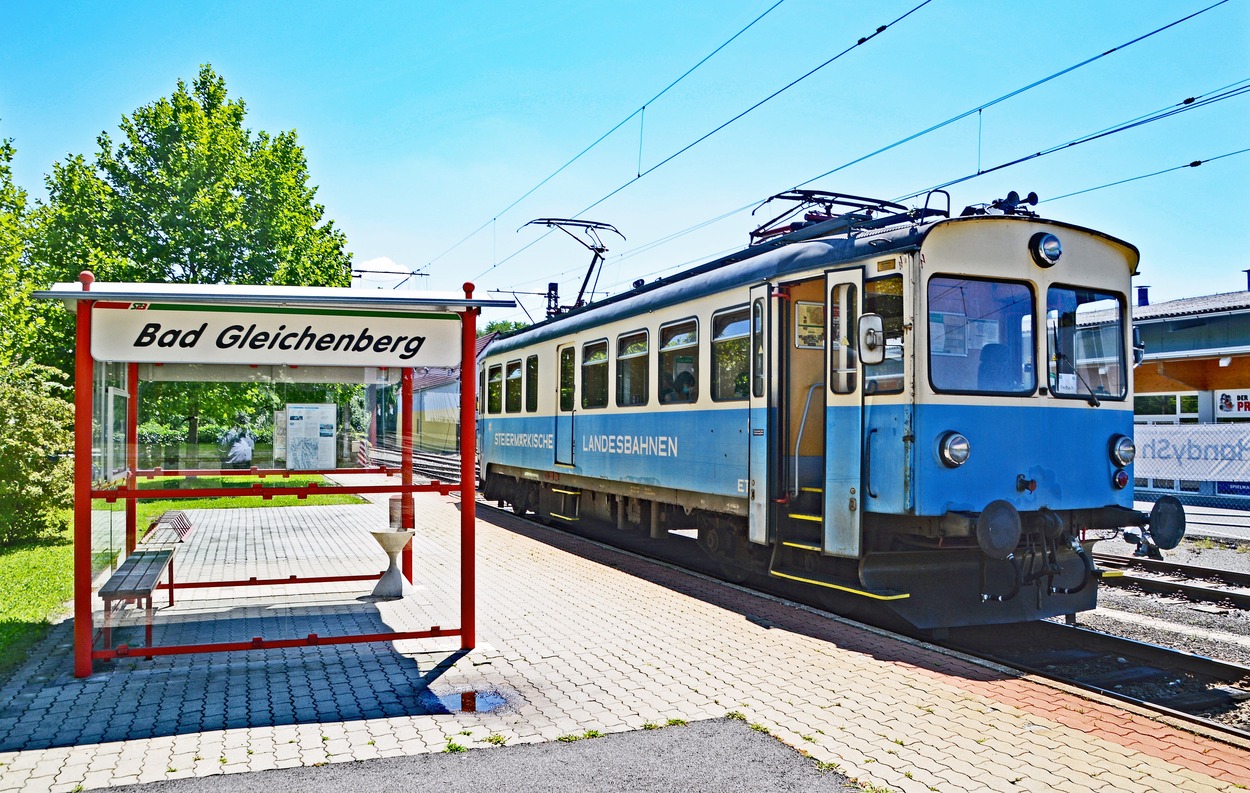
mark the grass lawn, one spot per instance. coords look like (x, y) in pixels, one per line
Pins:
(38, 580)
(38, 576)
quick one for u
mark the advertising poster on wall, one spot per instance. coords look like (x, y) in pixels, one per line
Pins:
(310, 434)
(1232, 404)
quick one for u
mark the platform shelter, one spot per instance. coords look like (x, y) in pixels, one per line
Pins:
(132, 333)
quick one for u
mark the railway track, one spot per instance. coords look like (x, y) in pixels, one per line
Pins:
(1180, 685)
(431, 465)
(1199, 584)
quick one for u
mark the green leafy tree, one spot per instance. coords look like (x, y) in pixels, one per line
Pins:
(35, 473)
(502, 326)
(19, 318)
(187, 194)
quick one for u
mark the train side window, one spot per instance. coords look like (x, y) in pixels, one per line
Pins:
(730, 354)
(512, 387)
(757, 351)
(595, 374)
(843, 361)
(567, 369)
(679, 362)
(481, 391)
(531, 384)
(631, 369)
(884, 297)
(494, 389)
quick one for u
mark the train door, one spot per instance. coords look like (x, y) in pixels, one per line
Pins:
(844, 415)
(566, 402)
(761, 400)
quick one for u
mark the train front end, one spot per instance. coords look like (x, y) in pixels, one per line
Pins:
(1021, 427)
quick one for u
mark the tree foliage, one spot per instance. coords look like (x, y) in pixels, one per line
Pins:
(19, 319)
(188, 194)
(502, 326)
(35, 473)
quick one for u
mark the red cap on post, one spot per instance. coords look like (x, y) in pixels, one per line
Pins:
(86, 278)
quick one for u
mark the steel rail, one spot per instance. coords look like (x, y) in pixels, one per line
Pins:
(1238, 593)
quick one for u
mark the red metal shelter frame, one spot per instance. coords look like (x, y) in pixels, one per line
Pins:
(85, 652)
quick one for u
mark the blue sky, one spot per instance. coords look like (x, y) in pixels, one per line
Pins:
(422, 122)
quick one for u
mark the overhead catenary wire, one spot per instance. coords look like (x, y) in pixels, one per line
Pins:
(895, 144)
(1191, 164)
(641, 109)
(1239, 88)
(863, 40)
(1009, 95)
(643, 173)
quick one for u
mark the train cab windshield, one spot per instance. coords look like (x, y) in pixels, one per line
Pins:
(1085, 343)
(981, 336)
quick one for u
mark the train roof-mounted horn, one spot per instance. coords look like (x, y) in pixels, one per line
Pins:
(825, 214)
(1013, 204)
(596, 247)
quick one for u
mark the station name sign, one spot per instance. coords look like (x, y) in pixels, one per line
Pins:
(151, 333)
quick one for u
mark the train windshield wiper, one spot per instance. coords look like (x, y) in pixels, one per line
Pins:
(1093, 398)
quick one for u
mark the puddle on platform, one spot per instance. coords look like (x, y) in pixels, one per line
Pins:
(462, 702)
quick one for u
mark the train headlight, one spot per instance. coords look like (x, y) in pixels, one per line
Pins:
(954, 449)
(1123, 450)
(1045, 249)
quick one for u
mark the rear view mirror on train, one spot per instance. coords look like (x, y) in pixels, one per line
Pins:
(871, 339)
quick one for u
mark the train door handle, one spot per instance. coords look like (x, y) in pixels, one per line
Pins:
(868, 464)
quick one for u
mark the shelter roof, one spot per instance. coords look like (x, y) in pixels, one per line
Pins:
(320, 297)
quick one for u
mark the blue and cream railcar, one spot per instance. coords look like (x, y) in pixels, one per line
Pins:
(921, 413)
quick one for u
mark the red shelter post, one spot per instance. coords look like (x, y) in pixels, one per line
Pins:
(84, 383)
(407, 518)
(132, 454)
(468, 472)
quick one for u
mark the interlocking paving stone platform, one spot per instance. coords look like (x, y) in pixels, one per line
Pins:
(571, 637)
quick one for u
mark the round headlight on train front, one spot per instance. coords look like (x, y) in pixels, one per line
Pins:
(1045, 249)
(1123, 450)
(954, 449)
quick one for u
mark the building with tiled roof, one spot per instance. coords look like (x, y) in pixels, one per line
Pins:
(1195, 371)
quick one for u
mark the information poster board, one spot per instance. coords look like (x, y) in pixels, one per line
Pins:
(310, 434)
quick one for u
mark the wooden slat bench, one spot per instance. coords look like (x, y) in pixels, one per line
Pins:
(169, 527)
(136, 579)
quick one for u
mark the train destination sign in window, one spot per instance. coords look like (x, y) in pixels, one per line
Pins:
(981, 336)
(595, 374)
(631, 369)
(679, 362)
(730, 354)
